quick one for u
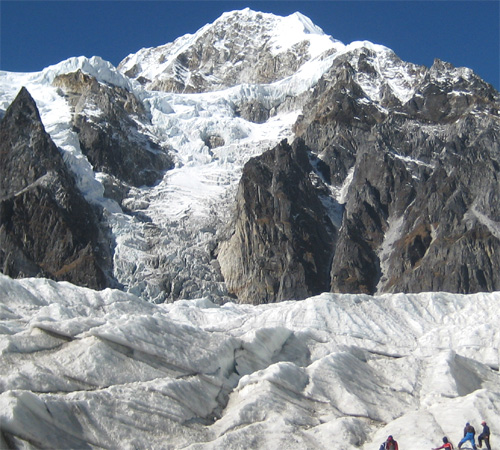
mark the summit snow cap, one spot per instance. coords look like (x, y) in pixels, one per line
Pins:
(293, 29)
(240, 47)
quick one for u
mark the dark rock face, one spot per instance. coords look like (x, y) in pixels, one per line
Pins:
(335, 122)
(253, 111)
(422, 210)
(113, 142)
(46, 227)
(283, 239)
(421, 182)
(213, 141)
(450, 239)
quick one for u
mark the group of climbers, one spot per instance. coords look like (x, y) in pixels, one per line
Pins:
(469, 435)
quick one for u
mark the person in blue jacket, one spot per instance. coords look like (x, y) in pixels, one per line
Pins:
(469, 433)
(484, 436)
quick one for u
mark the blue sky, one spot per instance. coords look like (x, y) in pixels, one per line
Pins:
(35, 34)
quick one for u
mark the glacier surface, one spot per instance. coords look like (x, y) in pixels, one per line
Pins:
(87, 369)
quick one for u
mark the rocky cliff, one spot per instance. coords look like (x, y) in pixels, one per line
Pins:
(420, 175)
(422, 211)
(111, 124)
(46, 227)
(283, 239)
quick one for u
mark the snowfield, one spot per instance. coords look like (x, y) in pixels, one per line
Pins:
(87, 369)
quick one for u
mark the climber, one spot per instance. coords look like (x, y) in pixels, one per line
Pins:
(446, 445)
(390, 444)
(469, 433)
(484, 436)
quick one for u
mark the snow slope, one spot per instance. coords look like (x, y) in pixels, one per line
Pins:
(86, 369)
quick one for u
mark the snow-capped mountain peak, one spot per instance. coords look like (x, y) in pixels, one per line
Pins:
(239, 47)
(296, 28)
(256, 160)
(309, 26)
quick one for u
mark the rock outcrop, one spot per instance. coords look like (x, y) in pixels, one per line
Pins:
(46, 226)
(283, 236)
(111, 127)
(421, 212)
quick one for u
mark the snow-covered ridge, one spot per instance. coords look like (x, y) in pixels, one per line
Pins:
(81, 367)
(251, 32)
(97, 67)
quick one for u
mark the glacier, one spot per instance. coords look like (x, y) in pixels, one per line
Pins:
(88, 369)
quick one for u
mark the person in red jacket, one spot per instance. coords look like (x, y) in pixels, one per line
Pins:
(446, 445)
(390, 444)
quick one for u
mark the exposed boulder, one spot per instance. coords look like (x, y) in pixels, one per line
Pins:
(213, 141)
(46, 226)
(253, 111)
